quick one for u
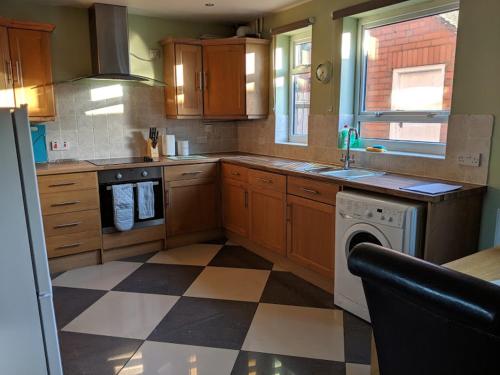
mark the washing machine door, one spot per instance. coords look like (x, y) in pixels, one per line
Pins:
(348, 288)
(360, 233)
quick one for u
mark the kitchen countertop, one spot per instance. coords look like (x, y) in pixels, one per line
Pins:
(388, 183)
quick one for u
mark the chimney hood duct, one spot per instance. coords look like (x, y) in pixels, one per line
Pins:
(109, 44)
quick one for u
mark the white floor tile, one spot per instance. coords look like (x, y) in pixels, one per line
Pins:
(192, 255)
(236, 284)
(357, 369)
(103, 276)
(156, 358)
(130, 315)
(297, 331)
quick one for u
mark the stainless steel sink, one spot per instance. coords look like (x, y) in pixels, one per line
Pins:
(351, 174)
(345, 174)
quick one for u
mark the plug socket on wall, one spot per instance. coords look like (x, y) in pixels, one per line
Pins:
(470, 159)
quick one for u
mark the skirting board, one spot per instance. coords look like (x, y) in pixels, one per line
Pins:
(282, 263)
(69, 262)
(132, 250)
(192, 238)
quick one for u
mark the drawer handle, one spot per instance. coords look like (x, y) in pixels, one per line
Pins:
(265, 180)
(76, 244)
(191, 173)
(235, 173)
(63, 184)
(68, 225)
(310, 191)
(68, 203)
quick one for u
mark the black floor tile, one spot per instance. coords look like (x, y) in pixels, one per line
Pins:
(285, 288)
(84, 354)
(143, 258)
(71, 302)
(160, 279)
(357, 339)
(274, 364)
(239, 257)
(206, 322)
(217, 241)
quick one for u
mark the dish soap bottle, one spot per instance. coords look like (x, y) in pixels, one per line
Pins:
(343, 135)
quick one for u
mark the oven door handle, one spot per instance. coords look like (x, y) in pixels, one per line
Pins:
(110, 187)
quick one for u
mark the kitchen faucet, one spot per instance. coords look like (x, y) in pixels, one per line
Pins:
(346, 158)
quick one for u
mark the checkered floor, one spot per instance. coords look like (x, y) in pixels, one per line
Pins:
(209, 308)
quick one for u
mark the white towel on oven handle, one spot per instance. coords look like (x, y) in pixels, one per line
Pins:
(123, 206)
(145, 200)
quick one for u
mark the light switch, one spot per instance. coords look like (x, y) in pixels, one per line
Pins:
(470, 159)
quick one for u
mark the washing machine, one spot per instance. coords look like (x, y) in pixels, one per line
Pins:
(361, 217)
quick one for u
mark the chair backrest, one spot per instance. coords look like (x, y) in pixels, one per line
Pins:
(427, 319)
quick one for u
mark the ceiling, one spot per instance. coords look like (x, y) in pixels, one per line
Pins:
(231, 11)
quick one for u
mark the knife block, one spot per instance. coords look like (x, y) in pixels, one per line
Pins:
(151, 151)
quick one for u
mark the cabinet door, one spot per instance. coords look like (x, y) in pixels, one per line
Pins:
(188, 71)
(6, 84)
(311, 234)
(224, 80)
(191, 206)
(235, 206)
(267, 219)
(32, 71)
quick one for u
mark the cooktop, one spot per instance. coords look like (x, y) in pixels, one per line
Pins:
(116, 161)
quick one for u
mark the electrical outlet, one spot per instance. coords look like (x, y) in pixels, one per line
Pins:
(59, 146)
(470, 159)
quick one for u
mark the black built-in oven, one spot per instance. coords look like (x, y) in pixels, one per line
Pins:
(129, 176)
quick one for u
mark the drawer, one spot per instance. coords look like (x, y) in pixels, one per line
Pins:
(72, 222)
(69, 201)
(73, 243)
(190, 171)
(235, 172)
(316, 190)
(267, 180)
(67, 182)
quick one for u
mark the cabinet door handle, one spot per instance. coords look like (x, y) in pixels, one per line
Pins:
(235, 173)
(289, 213)
(205, 81)
(265, 180)
(19, 73)
(167, 198)
(8, 72)
(199, 77)
(63, 184)
(68, 225)
(191, 173)
(68, 203)
(76, 244)
(310, 191)
(246, 199)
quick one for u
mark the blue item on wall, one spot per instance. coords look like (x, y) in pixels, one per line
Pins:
(39, 144)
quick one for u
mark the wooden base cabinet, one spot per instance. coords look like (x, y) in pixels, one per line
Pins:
(267, 202)
(311, 234)
(191, 198)
(235, 212)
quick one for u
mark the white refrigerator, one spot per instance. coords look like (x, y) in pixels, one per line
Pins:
(28, 333)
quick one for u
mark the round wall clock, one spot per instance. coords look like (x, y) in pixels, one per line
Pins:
(324, 72)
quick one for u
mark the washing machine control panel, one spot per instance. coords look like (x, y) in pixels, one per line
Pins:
(371, 212)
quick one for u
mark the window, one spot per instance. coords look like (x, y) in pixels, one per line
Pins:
(293, 85)
(405, 76)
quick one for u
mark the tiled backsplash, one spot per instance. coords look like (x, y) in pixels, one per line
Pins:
(467, 133)
(102, 119)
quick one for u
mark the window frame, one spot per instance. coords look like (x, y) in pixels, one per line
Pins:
(305, 37)
(388, 116)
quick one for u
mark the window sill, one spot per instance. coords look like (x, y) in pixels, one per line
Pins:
(401, 153)
(299, 144)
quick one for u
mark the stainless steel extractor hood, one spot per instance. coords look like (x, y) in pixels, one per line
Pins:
(110, 45)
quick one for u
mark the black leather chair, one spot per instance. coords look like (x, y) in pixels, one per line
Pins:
(427, 319)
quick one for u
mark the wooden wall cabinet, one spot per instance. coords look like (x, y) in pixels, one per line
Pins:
(191, 198)
(183, 72)
(218, 79)
(26, 71)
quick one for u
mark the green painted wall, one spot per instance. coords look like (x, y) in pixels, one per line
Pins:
(71, 44)
(477, 82)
